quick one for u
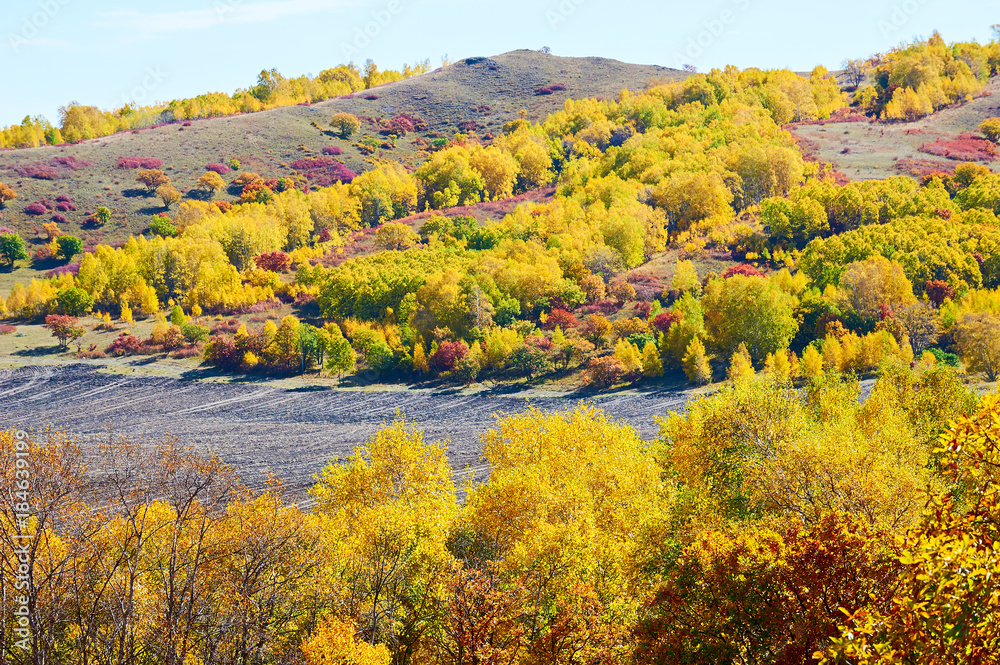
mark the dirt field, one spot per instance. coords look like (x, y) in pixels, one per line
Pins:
(261, 426)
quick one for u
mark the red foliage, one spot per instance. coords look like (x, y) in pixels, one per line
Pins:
(138, 163)
(125, 345)
(742, 269)
(643, 308)
(938, 291)
(277, 261)
(964, 148)
(221, 169)
(35, 209)
(65, 206)
(664, 320)
(224, 206)
(448, 355)
(333, 150)
(60, 219)
(561, 318)
(924, 169)
(324, 171)
(548, 90)
(6, 328)
(605, 372)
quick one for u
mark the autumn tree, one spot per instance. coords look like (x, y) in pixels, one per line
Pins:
(990, 128)
(168, 194)
(64, 328)
(102, 215)
(153, 179)
(6, 194)
(978, 339)
(345, 124)
(855, 71)
(211, 182)
(396, 236)
(952, 618)
(875, 282)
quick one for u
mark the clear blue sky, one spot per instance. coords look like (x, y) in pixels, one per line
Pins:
(108, 52)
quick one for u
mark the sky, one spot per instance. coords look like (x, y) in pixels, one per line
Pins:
(107, 53)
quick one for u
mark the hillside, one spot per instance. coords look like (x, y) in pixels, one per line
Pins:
(486, 91)
(870, 150)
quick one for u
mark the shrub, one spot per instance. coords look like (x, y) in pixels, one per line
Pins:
(664, 320)
(744, 269)
(333, 150)
(277, 261)
(447, 356)
(194, 333)
(69, 246)
(561, 318)
(161, 225)
(124, 345)
(221, 169)
(6, 329)
(138, 163)
(35, 209)
(990, 128)
(234, 164)
(64, 328)
(65, 206)
(59, 219)
(604, 372)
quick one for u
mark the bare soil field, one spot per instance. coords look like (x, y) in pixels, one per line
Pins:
(262, 426)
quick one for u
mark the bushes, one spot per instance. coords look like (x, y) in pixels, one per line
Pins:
(7, 329)
(125, 345)
(138, 163)
(448, 355)
(333, 150)
(277, 261)
(605, 372)
(221, 169)
(35, 209)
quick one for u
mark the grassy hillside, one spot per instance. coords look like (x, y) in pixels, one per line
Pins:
(486, 91)
(877, 150)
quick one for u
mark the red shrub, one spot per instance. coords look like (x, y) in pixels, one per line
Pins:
(6, 329)
(964, 148)
(938, 290)
(277, 261)
(62, 198)
(743, 269)
(224, 206)
(664, 320)
(323, 171)
(35, 209)
(221, 169)
(65, 206)
(138, 163)
(333, 150)
(125, 345)
(561, 318)
(448, 355)
(643, 308)
(59, 219)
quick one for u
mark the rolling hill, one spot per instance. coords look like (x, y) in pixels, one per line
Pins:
(473, 95)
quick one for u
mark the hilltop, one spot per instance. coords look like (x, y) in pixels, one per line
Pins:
(475, 95)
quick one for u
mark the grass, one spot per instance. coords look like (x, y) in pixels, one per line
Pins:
(875, 151)
(489, 92)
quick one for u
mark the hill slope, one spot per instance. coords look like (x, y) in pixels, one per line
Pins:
(865, 151)
(487, 91)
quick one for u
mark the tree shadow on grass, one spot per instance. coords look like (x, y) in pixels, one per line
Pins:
(40, 351)
(136, 192)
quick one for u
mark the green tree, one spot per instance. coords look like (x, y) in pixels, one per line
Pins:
(74, 302)
(340, 356)
(102, 216)
(751, 311)
(69, 246)
(12, 248)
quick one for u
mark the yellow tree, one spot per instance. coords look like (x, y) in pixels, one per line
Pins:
(387, 512)
(211, 182)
